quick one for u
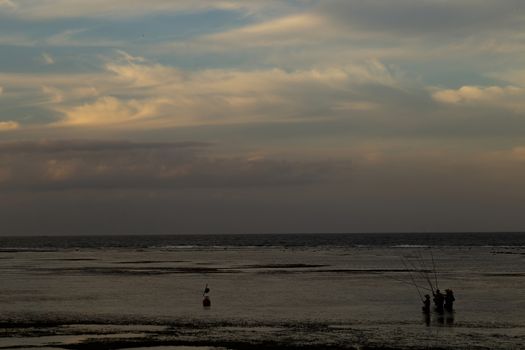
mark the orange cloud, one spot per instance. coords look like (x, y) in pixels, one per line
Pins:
(109, 110)
(8, 126)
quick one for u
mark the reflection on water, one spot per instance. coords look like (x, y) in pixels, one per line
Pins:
(438, 318)
(449, 318)
(426, 318)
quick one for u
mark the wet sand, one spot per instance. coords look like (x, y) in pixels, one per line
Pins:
(200, 335)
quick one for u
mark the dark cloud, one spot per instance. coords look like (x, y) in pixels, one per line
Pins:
(416, 17)
(396, 195)
(64, 146)
(67, 165)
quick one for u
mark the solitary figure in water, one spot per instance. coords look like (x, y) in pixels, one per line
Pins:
(206, 302)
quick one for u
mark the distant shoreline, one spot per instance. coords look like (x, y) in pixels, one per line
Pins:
(430, 233)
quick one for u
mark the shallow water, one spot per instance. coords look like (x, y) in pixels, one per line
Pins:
(327, 294)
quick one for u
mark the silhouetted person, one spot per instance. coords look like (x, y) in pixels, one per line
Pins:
(206, 302)
(439, 299)
(426, 304)
(449, 300)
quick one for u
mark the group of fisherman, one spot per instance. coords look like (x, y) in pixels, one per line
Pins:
(442, 302)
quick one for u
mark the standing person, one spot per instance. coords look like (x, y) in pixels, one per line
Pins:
(439, 299)
(449, 300)
(206, 302)
(426, 304)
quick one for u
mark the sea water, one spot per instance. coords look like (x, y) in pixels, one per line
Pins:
(339, 290)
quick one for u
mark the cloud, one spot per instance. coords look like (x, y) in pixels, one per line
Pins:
(300, 79)
(416, 18)
(508, 97)
(1, 90)
(109, 110)
(9, 4)
(518, 153)
(51, 147)
(143, 75)
(78, 37)
(512, 76)
(137, 93)
(55, 95)
(8, 126)
(471, 34)
(132, 92)
(47, 58)
(110, 9)
(68, 165)
(287, 30)
(513, 155)
(127, 187)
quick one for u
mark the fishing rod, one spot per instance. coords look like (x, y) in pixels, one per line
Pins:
(413, 281)
(422, 274)
(421, 260)
(424, 265)
(416, 269)
(407, 282)
(434, 268)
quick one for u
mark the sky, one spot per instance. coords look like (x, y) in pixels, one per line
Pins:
(218, 116)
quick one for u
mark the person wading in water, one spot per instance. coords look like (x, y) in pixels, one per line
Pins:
(426, 304)
(206, 302)
(449, 300)
(439, 299)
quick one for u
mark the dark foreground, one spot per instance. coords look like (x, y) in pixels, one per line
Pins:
(199, 335)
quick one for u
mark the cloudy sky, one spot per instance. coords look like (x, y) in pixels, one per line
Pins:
(217, 116)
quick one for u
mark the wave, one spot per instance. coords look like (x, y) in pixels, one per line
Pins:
(259, 241)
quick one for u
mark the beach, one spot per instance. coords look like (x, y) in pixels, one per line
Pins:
(258, 174)
(269, 292)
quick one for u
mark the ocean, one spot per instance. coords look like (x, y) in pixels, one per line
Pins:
(311, 291)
